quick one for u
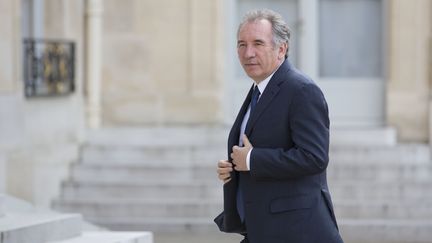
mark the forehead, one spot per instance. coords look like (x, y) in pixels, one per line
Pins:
(257, 29)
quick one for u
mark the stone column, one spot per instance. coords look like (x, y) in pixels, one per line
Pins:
(309, 37)
(1, 205)
(408, 86)
(2, 183)
(430, 88)
(11, 125)
(94, 10)
(430, 77)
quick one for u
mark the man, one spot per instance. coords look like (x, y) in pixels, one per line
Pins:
(275, 186)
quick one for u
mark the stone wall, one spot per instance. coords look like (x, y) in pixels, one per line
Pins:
(40, 136)
(408, 87)
(2, 173)
(9, 119)
(162, 62)
(8, 40)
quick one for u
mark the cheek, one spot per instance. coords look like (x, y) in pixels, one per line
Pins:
(240, 55)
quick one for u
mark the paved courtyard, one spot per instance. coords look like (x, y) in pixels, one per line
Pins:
(212, 237)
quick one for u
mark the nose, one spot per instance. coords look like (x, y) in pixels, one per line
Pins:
(250, 51)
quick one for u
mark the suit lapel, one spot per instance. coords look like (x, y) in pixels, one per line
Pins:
(269, 93)
(266, 98)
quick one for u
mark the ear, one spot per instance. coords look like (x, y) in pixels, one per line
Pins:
(282, 50)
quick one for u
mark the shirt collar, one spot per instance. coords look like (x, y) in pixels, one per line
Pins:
(263, 84)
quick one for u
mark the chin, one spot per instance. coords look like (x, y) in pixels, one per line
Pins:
(253, 76)
(252, 73)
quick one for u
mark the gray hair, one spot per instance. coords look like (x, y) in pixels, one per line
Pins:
(281, 31)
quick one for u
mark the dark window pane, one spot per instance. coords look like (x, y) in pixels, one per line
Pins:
(350, 38)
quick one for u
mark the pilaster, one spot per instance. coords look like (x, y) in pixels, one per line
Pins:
(10, 44)
(408, 74)
(2, 182)
(94, 11)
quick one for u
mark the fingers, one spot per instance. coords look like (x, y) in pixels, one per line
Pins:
(235, 149)
(224, 170)
(246, 141)
(224, 177)
(224, 164)
(238, 156)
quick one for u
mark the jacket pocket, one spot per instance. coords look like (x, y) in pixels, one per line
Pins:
(284, 204)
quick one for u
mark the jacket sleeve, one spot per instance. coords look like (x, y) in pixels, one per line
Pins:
(309, 128)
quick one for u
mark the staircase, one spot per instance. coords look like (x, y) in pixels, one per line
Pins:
(382, 194)
(164, 179)
(148, 179)
(23, 223)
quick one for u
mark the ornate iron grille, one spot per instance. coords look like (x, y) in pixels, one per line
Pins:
(49, 67)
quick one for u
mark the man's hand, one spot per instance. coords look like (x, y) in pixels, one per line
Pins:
(224, 170)
(239, 155)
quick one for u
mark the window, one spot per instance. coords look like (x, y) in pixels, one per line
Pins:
(48, 65)
(339, 44)
(350, 34)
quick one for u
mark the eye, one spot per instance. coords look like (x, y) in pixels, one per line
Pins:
(241, 45)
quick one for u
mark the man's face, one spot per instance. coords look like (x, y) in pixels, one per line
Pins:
(257, 54)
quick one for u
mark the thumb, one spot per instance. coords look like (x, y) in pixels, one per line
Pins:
(246, 141)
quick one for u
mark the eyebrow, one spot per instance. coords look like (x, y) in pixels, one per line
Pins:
(255, 41)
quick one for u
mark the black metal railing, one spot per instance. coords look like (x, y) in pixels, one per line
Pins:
(49, 67)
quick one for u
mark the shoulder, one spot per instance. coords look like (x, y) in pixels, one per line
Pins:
(291, 80)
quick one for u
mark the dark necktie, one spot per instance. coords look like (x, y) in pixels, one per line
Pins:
(240, 206)
(254, 99)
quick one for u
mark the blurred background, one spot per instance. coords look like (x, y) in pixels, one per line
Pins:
(118, 110)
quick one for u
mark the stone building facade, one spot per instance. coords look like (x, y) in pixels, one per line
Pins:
(172, 63)
(40, 135)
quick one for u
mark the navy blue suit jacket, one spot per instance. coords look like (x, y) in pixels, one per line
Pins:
(286, 197)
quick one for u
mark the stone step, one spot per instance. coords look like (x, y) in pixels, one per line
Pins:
(115, 208)
(363, 136)
(181, 155)
(400, 153)
(386, 231)
(140, 208)
(110, 237)
(383, 209)
(196, 136)
(171, 224)
(374, 191)
(213, 189)
(380, 172)
(160, 190)
(165, 135)
(115, 173)
(38, 227)
(352, 230)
